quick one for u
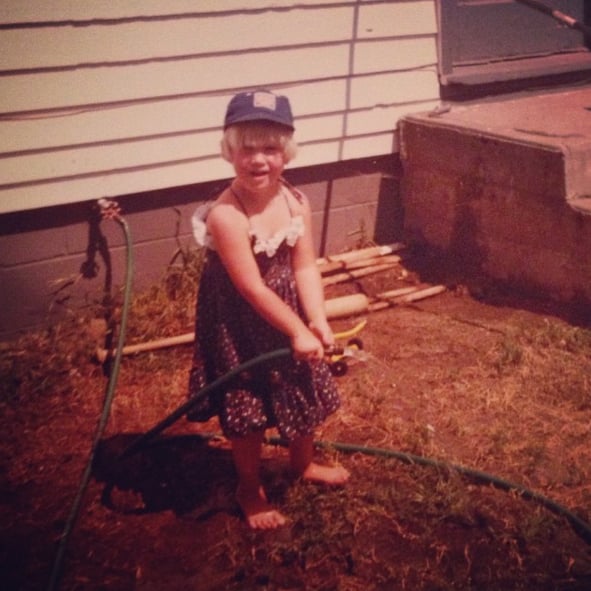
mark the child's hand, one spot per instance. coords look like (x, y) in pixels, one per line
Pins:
(307, 346)
(323, 332)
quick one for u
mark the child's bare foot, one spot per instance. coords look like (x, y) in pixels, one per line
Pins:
(334, 475)
(259, 514)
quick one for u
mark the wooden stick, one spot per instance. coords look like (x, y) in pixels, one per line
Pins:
(335, 308)
(396, 293)
(327, 268)
(183, 339)
(386, 259)
(348, 305)
(356, 273)
(421, 294)
(338, 307)
(355, 255)
(359, 303)
(415, 295)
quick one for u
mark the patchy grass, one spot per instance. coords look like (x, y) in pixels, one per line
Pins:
(498, 388)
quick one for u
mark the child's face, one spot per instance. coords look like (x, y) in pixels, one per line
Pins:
(258, 167)
(259, 161)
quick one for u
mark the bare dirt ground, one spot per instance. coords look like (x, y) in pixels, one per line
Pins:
(471, 377)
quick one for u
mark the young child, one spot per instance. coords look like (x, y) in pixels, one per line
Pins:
(260, 290)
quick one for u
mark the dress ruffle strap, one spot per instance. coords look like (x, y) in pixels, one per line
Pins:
(200, 233)
(289, 235)
(269, 246)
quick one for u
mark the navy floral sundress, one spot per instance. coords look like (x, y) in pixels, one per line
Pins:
(294, 396)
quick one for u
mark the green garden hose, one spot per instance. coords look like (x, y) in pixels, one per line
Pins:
(109, 210)
(187, 406)
(580, 527)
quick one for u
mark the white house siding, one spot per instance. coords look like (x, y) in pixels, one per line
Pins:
(112, 98)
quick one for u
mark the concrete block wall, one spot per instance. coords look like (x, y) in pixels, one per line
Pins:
(497, 204)
(46, 253)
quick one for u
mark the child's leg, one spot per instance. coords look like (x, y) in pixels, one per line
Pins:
(250, 495)
(301, 452)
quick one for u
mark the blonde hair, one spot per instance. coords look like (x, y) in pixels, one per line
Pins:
(258, 134)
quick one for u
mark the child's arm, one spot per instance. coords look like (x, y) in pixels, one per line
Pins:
(308, 280)
(229, 229)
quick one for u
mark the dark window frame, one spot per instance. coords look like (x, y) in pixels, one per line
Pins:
(475, 50)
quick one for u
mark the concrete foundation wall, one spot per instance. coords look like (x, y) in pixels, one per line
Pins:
(497, 204)
(56, 259)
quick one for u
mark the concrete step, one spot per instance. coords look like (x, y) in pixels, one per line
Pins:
(556, 120)
(507, 185)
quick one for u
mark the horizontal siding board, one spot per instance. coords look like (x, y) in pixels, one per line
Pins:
(103, 110)
(84, 161)
(111, 124)
(317, 153)
(108, 184)
(134, 121)
(147, 179)
(393, 88)
(374, 145)
(399, 54)
(316, 129)
(17, 11)
(153, 40)
(78, 162)
(396, 19)
(112, 84)
(380, 119)
(316, 98)
(111, 185)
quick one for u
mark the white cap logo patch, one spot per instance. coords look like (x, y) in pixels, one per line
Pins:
(265, 100)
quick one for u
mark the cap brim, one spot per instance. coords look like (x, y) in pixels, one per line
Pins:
(259, 117)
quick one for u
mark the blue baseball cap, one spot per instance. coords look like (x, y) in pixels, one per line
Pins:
(260, 105)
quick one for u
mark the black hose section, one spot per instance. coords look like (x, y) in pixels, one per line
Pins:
(581, 528)
(187, 406)
(110, 392)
